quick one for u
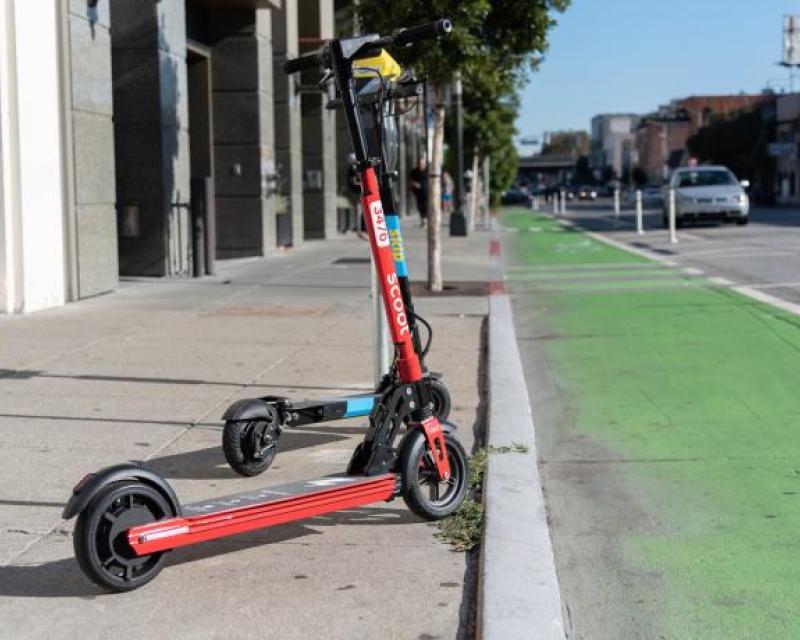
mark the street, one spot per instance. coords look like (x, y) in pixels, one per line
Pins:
(762, 255)
(665, 410)
(145, 373)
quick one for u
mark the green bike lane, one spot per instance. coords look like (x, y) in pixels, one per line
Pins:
(668, 425)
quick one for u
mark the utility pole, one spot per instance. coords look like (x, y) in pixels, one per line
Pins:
(458, 222)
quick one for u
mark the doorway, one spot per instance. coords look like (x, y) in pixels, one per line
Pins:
(201, 158)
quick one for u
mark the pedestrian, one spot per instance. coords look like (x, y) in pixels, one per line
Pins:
(354, 188)
(447, 192)
(419, 187)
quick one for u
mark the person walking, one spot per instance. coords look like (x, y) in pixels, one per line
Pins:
(419, 187)
(354, 187)
(447, 193)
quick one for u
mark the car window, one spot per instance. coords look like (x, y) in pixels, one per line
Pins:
(706, 178)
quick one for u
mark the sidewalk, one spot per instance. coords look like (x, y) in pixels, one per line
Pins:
(666, 411)
(145, 373)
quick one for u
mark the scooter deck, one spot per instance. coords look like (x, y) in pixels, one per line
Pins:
(250, 510)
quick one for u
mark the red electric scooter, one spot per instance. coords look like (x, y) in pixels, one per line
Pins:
(129, 516)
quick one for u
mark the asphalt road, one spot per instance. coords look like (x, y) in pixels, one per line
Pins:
(764, 255)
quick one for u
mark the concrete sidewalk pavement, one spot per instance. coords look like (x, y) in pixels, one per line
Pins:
(145, 373)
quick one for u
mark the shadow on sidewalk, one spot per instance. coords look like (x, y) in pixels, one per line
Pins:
(63, 578)
(210, 464)
(27, 374)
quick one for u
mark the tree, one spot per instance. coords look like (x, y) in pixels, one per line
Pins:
(583, 171)
(738, 141)
(567, 143)
(491, 38)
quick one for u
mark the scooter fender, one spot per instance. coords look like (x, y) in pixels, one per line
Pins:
(88, 487)
(248, 409)
(447, 427)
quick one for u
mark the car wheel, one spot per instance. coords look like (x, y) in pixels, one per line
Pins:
(742, 221)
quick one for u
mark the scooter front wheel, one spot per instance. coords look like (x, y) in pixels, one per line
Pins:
(101, 541)
(423, 491)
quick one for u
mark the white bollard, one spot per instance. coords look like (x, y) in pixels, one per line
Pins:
(381, 328)
(535, 203)
(639, 226)
(555, 203)
(616, 203)
(563, 203)
(673, 237)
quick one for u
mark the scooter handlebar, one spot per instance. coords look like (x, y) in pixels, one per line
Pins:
(301, 63)
(430, 31)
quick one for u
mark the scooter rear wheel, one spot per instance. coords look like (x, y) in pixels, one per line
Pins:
(250, 446)
(423, 492)
(441, 400)
(100, 539)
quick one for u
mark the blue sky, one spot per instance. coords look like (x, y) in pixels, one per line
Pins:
(632, 55)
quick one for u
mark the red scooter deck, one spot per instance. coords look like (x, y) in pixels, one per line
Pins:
(261, 508)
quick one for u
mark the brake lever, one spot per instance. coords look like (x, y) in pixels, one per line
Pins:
(326, 79)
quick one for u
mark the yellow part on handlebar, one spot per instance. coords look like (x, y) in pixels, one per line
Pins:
(383, 63)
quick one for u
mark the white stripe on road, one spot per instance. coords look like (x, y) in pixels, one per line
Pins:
(766, 298)
(749, 291)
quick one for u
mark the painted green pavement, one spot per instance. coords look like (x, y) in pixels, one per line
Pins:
(691, 393)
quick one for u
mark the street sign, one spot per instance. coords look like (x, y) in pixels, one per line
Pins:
(778, 149)
(791, 41)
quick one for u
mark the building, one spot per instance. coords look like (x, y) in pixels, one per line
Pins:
(785, 148)
(611, 133)
(662, 136)
(140, 137)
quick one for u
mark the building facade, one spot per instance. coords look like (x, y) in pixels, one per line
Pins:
(144, 137)
(612, 134)
(785, 149)
(662, 136)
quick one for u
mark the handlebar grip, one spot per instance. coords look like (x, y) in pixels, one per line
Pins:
(430, 31)
(301, 63)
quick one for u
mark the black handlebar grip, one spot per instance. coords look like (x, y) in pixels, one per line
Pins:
(430, 31)
(301, 63)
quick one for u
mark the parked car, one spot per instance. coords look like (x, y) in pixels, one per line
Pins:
(707, 193)
(652, 196)
(515, 195)
(587, 193)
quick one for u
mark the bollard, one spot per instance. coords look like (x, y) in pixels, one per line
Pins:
(616, 203)
(535, 203)
(563, 203)
(673, 238)
(639, 226)
(555, 203)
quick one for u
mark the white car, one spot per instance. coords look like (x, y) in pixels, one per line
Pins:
(707, 193)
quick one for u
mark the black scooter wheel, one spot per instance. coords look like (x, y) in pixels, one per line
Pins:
(423, 492)
(250, 446)
(100, 539)
(441, 400)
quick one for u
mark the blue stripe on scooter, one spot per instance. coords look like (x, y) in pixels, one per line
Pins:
(359, 406)
(396, 240)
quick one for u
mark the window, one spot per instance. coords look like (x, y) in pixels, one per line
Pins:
(705, 178)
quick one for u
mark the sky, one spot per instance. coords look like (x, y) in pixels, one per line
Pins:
(633, 55)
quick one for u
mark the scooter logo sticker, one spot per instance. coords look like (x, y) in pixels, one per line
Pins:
(397, 304)
(379, 223)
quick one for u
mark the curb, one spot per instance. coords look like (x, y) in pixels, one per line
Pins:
(518, 594)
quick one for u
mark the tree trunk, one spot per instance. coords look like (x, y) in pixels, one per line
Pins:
(435, 194)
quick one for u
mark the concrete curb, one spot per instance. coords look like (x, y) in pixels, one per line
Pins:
(518, 594)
